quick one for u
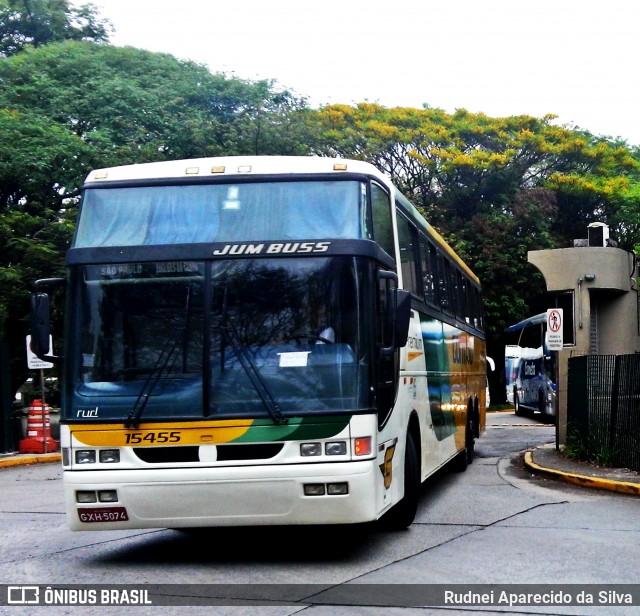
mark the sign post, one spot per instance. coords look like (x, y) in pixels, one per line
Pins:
(555, 341)
(35, 363)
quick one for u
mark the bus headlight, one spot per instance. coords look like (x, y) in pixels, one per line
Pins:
(314, 489)
(109, 456)
(85, 456)
(335, 448)
(310, 449)
(337, 488)
(330, 489)
(107, 496)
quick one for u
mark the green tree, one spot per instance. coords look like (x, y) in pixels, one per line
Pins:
(37, 159)
(68, 107)
(496, 244)
(132, 105)
(32, 23)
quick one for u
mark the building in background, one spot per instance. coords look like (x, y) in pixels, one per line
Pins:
(595, 283)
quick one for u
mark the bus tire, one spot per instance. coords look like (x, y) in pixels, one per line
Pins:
(403, 513)
(516, 403)
(476, 419)
(470, 435)
(465, 457)
(542, 407)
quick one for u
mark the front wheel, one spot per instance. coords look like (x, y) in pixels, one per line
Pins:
(516, 403)
(403, 513)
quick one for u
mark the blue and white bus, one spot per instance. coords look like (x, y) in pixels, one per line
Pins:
(530, 368)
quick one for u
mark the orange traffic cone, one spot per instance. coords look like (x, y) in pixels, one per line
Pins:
(39, 439)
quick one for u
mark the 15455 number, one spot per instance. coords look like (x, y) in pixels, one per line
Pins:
(136, 438)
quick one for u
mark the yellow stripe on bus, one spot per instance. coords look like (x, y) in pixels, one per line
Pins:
(158, 434)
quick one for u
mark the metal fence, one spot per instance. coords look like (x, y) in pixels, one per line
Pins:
(603, 408)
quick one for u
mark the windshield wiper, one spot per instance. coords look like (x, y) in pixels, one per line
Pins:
(162, 363)
(254, 375)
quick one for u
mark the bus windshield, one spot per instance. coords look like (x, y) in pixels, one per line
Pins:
(187, 214)
(250, 337)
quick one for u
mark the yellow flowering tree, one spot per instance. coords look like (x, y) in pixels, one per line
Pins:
(495, 188)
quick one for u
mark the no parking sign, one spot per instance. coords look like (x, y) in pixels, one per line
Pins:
(555, 339)
(33, 361)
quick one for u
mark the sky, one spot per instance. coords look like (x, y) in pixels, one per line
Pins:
(576, 59)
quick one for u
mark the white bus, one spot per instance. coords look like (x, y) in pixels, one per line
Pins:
(260, 341)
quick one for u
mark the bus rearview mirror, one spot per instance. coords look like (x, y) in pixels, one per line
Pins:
(40, 325)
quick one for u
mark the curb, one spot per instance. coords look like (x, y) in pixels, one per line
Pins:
(622, 487)
(30, 459)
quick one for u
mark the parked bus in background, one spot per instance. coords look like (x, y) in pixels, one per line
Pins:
(260, 341)
(530, 368)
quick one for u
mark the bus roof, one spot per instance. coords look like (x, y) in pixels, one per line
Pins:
(234, 166)
(535, 320)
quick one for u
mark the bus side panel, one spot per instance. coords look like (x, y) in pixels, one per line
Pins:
(456, 373)
(467, 361)
(413, 399)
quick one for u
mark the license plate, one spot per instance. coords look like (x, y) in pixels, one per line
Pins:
(102, 514)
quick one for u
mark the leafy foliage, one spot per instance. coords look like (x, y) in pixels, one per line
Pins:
(32, 23)
(68, 107)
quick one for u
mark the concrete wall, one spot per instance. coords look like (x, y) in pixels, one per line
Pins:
(605, 308)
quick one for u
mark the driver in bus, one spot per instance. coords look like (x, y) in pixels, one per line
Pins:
(323, 333)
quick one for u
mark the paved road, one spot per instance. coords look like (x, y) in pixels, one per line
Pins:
(494, 524)
(503, 435)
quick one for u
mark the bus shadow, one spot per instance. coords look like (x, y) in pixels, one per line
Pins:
(284, 545)
(273, 544)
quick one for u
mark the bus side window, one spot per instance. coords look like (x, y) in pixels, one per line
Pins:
(463, 310)
(428, 262)
(444, 284)
(408, 243)
(381, 215)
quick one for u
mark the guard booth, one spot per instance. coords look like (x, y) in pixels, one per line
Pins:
(595, 283)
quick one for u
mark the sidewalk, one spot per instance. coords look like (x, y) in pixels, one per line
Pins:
(548, 462)
(20, 459)
(544, 461)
